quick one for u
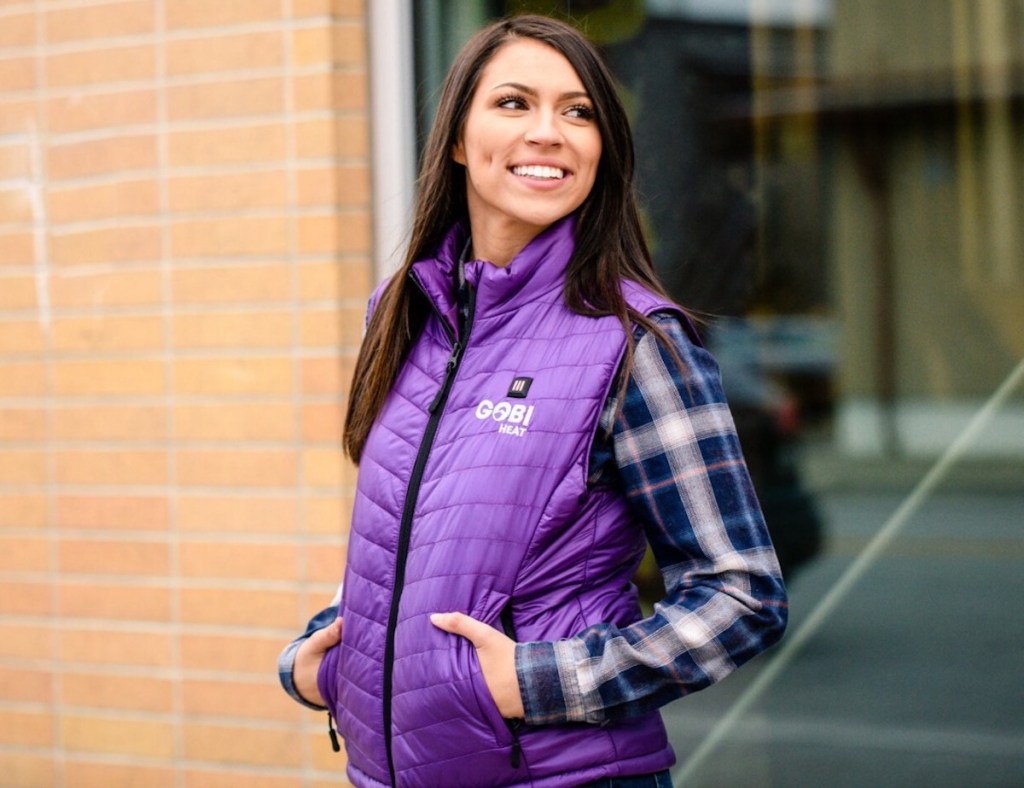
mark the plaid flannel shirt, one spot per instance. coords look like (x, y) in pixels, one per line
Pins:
(674, 452)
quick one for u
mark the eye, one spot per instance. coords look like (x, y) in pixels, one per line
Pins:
(580, 111)
(511, 101)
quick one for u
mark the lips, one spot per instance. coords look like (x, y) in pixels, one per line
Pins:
(539, 171)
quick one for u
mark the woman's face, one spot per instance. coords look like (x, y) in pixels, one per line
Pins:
(530, 144)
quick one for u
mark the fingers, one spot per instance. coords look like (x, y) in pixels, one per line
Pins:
(476, 632)
(325, 638)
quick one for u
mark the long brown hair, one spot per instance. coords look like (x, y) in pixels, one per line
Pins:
(610, 244)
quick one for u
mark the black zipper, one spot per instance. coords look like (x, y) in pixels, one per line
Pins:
(515, 724)
(436, 410)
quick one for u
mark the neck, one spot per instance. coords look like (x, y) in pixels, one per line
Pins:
(498, 244)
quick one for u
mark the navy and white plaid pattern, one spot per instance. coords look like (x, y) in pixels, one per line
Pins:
(674, 451)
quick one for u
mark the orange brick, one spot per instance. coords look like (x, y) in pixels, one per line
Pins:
(104, 201)
(26, 642)
(201, 13)
(233, 376)
(322, 422)
(311, 46)
(350, 43)
(319, 234)
(251, 515)
(317, 187)
(120, 736)
(117, 467)
(198, 778)
(27, 728)
(237, 652)
(24, 554)
(123, 602)
(349, 91)
(313, 91)
(348, 8)
(353, 137)
(23, 510)
(100, 378)
(19, 115)
(239, 608)
(17, 74)
(23, 467)
(228, 99)
(233, 330)
(239, 145)
(107, 245)
(104, 333)
(228, 191)
(325, 467)
(137, 287)
(15, 161)
(109, 647)
(230, 237)
(328, 516)
(301, 8)
(244, 745)
(17, 292)
(17, 248)
(234, 285)
(354, 186)
(317, 138)
(22, 424)
(108, 557)
(101, 110)
(106, 691)
(99, 21)
(109, 422)
(319, 281)
(236, 421)
(15, 206)
(323, 757)
(25, 599)
(353, 231)
(115, 513)
(357, 279)
(266, 468)
(117, 775)
(26, 686)
(21, 380)
(325, 375)
(21, 338)
(210, 55)
(27, 771)
(106, 64)
(118, 153)
(325, 563)
(18, 30)
(239, 560)
(245, 699)
(322, 328)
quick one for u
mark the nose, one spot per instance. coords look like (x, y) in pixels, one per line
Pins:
(543, 129)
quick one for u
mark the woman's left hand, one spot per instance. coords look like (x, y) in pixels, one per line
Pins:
(497, 655)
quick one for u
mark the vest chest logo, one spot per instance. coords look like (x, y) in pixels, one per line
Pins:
(512, 419)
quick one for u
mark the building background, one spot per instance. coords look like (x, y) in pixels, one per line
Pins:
(185, 255)
(195, 201)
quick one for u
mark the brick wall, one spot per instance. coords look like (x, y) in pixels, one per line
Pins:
(184, 263)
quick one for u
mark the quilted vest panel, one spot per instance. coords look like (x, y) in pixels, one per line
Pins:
(484, 509)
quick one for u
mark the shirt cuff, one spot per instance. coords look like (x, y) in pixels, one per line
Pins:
(286, 670)
(549, 683)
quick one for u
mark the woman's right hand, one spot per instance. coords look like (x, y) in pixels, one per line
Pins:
(308, 659)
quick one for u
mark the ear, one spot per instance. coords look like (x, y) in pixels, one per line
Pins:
(459, 153)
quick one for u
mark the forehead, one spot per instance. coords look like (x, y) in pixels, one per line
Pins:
(531, 62)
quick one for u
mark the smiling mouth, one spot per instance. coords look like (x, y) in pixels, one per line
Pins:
(538, 171)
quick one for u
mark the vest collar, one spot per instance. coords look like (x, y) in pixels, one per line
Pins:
(538, 269)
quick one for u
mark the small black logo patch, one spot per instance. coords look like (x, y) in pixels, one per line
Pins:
(520, 387)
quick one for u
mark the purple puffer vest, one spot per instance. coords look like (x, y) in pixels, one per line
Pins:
(472, 496)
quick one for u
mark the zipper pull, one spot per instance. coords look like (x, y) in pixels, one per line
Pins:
(516, 757)
(449, 368)
(332, 733)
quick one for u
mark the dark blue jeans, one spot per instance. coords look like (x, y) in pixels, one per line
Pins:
(656, 780)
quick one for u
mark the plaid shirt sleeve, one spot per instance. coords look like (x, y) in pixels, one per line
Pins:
(286, 659)
(678, 459)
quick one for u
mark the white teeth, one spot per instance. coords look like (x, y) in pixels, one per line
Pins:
(538, 171)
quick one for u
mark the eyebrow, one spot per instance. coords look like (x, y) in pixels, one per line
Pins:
(572, 94)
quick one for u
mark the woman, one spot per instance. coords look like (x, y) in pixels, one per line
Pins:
(526, 408)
